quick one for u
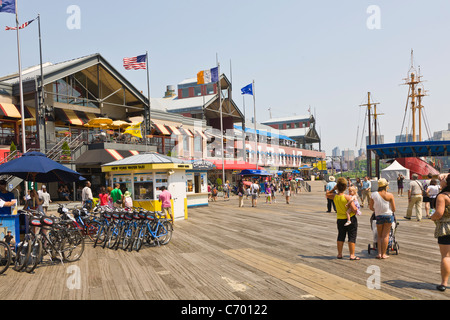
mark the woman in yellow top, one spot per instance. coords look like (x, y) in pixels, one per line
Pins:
(441, 217)
(341, 199)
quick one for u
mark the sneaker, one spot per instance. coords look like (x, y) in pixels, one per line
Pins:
(407, 218)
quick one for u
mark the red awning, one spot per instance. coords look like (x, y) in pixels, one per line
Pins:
(233, 165)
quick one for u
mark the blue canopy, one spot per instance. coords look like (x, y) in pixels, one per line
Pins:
(265, 133)
(35, 166)
(411, 149)
(248, 172)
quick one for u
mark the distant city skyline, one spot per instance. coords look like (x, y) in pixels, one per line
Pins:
(302, 55)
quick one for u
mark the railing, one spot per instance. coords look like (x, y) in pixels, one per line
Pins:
(56, 153)
(11, 155)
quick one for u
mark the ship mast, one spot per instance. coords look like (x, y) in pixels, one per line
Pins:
(416, 95)
(369, 113)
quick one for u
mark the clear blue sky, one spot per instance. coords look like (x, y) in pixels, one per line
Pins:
(300, 53)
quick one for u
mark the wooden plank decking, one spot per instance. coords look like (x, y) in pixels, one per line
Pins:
(222, 252)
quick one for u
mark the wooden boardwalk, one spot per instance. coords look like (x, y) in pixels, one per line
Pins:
(222, 252)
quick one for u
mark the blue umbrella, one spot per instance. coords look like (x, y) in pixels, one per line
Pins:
(36, 167)
(249, 172)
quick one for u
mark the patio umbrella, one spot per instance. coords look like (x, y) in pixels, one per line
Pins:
(119, 124)
(100, 122)
(36, 167)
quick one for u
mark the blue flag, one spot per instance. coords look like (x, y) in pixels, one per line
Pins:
(8, 6)
(247, 89)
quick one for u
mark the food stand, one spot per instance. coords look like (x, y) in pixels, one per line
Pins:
(197, 183)
(144, 175)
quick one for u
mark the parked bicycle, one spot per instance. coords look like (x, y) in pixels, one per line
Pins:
(82, 219)
(130, 229)
(51, 236)
(5, 256)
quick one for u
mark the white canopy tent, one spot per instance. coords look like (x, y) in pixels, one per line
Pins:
(391, 173)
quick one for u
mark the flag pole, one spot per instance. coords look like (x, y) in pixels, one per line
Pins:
(41, 96)
(149, 118)
(24, 146)
(221, 126)
(148, 90)
(254, 120)
(243, 130)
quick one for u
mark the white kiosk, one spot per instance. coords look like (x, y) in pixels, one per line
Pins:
(144, 174)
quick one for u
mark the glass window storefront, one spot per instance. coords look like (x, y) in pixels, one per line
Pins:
(7, 133)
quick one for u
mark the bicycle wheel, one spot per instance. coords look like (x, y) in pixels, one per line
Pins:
(35, 255)
(22, 255)
(72, 247)
(5, 257)
(138, 238)
(92, 229)
(113, 237)
(126, 241)
(150, 234)
(164, 234)
(120, 236)
(101, 234)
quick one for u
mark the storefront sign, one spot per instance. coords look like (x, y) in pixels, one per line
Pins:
(122, 168)
(203, 165)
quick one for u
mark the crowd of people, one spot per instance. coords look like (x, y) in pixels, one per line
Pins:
(255, 188)
(118, 197)
(344, 196)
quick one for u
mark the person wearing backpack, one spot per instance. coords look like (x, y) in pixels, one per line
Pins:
(254, 189)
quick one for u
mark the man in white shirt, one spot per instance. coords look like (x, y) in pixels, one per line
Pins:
(86, 196)
(11, 203)
(45, 196)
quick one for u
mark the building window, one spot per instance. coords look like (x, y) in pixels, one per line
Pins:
(170, 146)
(197, 91)
(288, 126)
(210, 88)
(198, 144)
(185, 93)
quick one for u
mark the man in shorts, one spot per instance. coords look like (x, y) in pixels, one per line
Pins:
(166, 204)
(117, 195)
(254, 189)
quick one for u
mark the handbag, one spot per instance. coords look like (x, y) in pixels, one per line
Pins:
(424, 192)
(443, 224)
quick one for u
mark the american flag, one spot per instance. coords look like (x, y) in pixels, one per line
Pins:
(26, 24)
(135, 63)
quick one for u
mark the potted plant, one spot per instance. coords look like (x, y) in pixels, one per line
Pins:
(65, 154)
(12, 148)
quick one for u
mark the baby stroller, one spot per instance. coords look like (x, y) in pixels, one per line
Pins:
(393, 245)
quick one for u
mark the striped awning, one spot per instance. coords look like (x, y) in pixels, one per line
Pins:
(174, 130)
(185, 131)
(73, 117)
(13, 111)
(161, 127)
(98, 157)
(200, 132)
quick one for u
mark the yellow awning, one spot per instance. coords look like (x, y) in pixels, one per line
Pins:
(9, 110)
